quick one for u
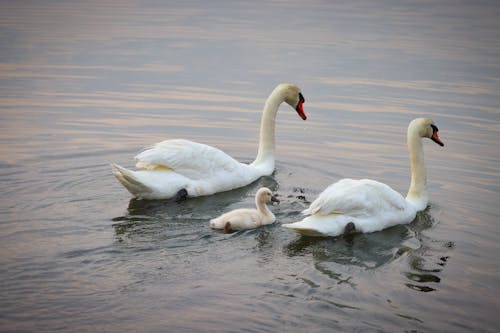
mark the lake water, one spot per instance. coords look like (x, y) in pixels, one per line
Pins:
(83, 84)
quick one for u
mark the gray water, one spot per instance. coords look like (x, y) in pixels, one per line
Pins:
(83, 84)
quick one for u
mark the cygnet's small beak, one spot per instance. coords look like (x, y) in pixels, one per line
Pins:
(274, 199)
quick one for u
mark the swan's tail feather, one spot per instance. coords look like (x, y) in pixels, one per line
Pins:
(128, 179)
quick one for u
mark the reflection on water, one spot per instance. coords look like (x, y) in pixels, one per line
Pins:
(426, 256)
(429, 258)
(199, 210)
(86, 83)
(365, 250)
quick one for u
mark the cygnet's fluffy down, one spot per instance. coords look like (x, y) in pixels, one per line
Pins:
(242, 219)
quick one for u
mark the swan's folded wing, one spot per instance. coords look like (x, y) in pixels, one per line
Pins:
(332, 200)
(191, 159)
(356, 198)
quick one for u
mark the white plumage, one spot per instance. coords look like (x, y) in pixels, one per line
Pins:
(371, 205)
(172, 165)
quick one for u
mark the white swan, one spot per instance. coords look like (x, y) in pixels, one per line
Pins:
(242, 219)
(180, 168)
(366, 205)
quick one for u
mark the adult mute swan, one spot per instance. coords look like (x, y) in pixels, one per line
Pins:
(181, 168)
(366, 205)
(242, 219)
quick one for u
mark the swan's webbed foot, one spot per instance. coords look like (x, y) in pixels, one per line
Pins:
(349, 229)
(180, 196)
(348, 234)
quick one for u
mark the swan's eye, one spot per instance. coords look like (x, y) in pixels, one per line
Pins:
(434, 128)
(301, 98)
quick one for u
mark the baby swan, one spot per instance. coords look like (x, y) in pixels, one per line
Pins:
(244, 218)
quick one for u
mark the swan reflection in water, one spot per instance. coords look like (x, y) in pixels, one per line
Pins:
(144, 215)
(426, 256)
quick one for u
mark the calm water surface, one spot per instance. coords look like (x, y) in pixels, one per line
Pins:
(83, 84)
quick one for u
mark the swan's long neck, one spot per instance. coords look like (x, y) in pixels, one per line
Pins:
(263, 209)
(417, 193)
(265, 155)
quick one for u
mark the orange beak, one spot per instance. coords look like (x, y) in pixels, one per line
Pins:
(436, 139)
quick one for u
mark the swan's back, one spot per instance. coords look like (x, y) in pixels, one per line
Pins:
(355, 198)
(191, 159)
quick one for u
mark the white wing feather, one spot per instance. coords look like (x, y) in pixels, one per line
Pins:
(191, 159)
(356, 198)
